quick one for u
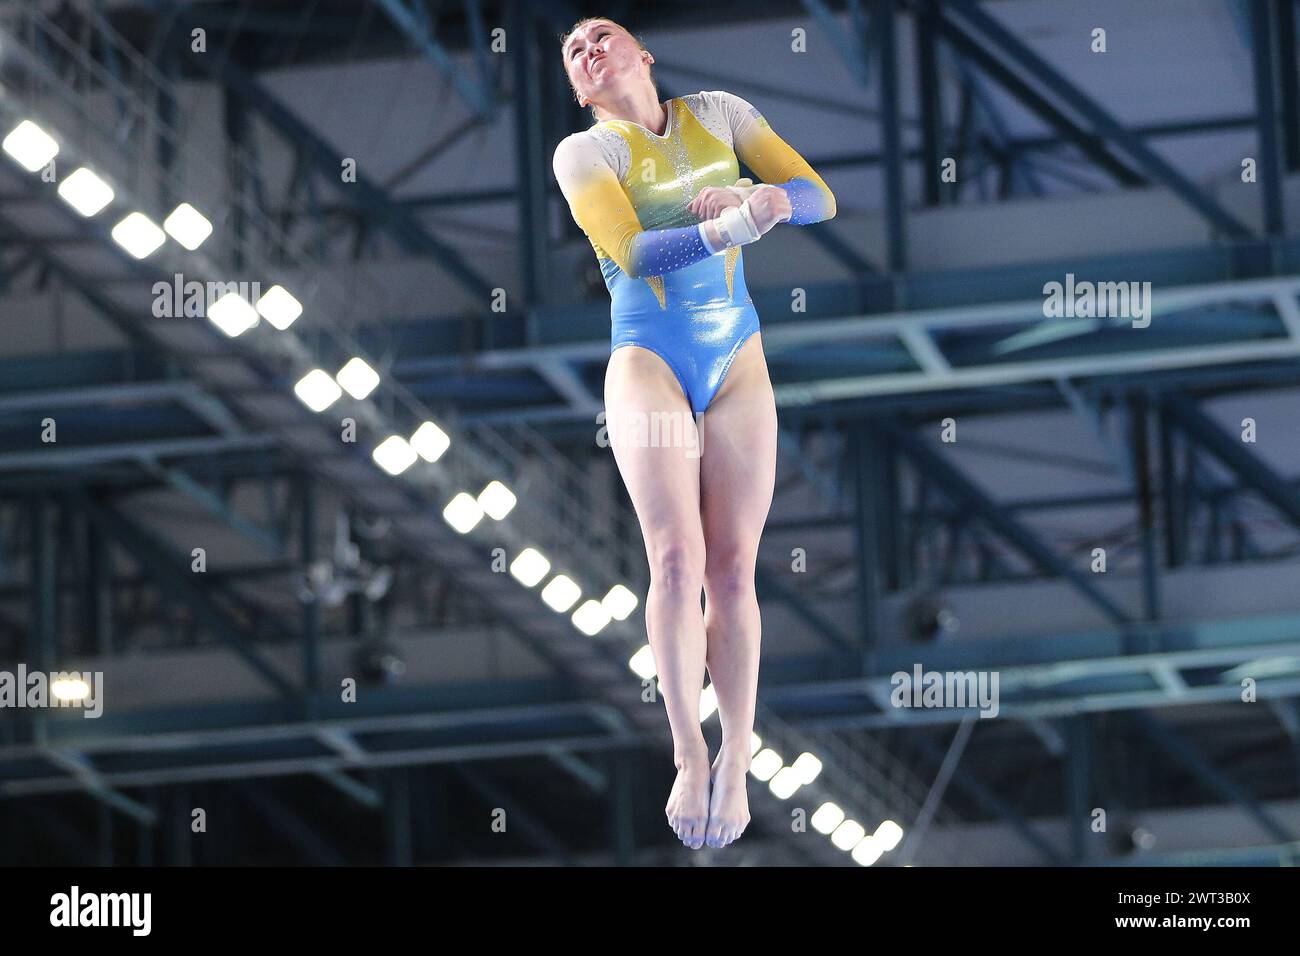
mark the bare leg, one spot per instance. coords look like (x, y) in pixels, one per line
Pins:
(664, 484)
(738, 471)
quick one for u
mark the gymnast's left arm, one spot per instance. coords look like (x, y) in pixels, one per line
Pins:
(776, 162)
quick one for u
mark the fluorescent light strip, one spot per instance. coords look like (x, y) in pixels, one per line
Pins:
(619, 602)
(462, 512)
(30, 146)
(188, 226)
(529, 567)
(357, 378)
(643, 662)
(279, 307)
(847, 834)
(86, 192)
(561, 593)
(317, 390)
(138, 235)
(497, 500)
(232, 314)
(430, 441)
(591, 618)
(394, 455)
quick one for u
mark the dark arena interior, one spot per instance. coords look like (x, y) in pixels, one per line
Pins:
(314, 551)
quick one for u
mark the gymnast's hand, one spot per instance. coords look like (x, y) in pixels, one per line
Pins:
(711, 200)
(769, 205)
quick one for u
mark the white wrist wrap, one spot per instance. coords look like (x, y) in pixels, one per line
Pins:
(736, 226)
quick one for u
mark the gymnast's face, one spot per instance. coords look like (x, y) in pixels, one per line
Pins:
(600, 55)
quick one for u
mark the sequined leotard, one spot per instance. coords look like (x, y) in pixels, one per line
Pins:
(629, 189)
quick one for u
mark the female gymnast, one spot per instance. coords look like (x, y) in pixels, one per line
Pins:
(654, 185)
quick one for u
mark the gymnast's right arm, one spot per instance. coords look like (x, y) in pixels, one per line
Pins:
(603, 211)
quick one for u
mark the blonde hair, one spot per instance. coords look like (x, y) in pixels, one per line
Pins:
(564, 38)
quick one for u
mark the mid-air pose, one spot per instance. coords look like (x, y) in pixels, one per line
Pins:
(655, 187)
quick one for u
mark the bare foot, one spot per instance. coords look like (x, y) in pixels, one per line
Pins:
(688, 803)
(729, 803)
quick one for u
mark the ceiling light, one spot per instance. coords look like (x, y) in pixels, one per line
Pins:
(826, 818)
(619, 602)
(866, 852)
(529, 567)
(317, 390)
(138, 235)
(807, 767)
(497, 500)
(86, 192)
(590, 618)
(643, 663)
(394, 455)
(357, 378)
(31, 146)
(279, 307)
(232, 314)
(847, 834)
(561, 593)
(430, 441)
(765, 764)
(462, 512)
(188, 226)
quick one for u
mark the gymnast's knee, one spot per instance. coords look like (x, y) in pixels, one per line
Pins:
(678, 567)
(729, 578)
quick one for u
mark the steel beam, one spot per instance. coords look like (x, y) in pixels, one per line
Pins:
(848, 45)
(968, 17)
(1224, 362)
(532, 737)
(947, 767)
(1233, 454)
(359, 793)
(1069, 131)
(289, 824)
(769, 586)
(1265, 59)
(532, 166)
(533, 829)
(869, 500)
(216, 504)
(171, 572)
(1288, 82)
(1144, 491)
(79, 767)
(969, 783)
(1078, 787)
(97, 591)
(362, 194)
(1185, 754)
(42, 642)
(966, 494)
(930, 94)
(867, 713)
(893, 181)
(622, 807)
(398, 845)
(311, 610)
(413, 20)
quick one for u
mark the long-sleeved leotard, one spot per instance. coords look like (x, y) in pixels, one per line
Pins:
(629, 190)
